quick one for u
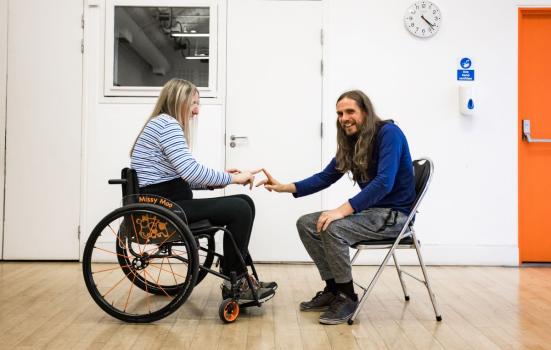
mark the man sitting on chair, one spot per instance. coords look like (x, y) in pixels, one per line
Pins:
(376, 154)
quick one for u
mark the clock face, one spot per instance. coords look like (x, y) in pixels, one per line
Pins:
(423, 19)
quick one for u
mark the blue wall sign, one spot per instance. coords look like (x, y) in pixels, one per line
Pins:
(465, 63)
(465, 74)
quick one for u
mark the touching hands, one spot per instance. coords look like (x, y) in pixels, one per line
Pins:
(243, 177)
(271, 184)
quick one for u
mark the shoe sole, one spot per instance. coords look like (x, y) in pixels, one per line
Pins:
(314, 309)
(274, 289)
(332, 321)
(227, 295)
(260, 300)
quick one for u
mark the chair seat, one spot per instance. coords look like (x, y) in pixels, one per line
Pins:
(385, 242)
(200, 225)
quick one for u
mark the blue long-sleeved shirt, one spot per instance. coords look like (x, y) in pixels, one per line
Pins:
(392, 183)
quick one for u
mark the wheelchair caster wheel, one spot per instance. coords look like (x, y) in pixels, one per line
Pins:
(228, 310)
(350, 321)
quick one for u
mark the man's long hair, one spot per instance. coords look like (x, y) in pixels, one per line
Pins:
(355, 152)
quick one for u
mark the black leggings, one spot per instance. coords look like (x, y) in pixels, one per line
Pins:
(235, 212)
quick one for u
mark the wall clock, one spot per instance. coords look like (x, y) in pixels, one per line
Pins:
(423, 19)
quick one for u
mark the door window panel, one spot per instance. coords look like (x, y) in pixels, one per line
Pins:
(148, 45)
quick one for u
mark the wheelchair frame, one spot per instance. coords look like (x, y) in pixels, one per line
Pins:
(158, 217)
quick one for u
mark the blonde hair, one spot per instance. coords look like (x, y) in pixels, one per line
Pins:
(175, 99)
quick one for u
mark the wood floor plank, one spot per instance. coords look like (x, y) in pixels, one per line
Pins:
(46, 305)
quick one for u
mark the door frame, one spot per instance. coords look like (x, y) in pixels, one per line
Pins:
(3, 110)
(521, 9)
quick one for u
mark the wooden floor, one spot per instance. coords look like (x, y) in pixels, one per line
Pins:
(46, 305)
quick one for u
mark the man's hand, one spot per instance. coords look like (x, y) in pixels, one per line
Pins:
(271, 184)
(329, 216)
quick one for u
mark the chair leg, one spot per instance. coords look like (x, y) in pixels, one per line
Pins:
(426, 276)
(354, 257)
(402, 282)
(371, 284)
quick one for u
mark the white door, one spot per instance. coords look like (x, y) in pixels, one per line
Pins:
(43, 139)
(274, 100)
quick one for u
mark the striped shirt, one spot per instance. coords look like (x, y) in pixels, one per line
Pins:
(161, 154)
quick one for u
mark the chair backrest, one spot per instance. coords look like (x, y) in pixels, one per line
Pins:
(422, 170)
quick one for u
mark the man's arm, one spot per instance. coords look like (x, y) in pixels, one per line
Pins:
(319, 181)
(271, 184)
(313, 184)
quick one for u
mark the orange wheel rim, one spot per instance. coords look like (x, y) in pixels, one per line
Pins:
(231, 311)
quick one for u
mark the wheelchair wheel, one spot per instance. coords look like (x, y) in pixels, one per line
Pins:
(206, 249)
(140, 263)
(228, 310)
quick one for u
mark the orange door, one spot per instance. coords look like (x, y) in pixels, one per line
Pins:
(534, 163)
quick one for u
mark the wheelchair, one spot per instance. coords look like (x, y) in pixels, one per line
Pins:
(142, 261)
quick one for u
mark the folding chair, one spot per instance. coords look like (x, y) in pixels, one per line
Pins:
(423, 170)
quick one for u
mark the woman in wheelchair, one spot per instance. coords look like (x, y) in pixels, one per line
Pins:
(166, 167)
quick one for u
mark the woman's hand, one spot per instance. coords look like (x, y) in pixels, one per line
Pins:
(233, 171)
(271, 184)
(244, 177)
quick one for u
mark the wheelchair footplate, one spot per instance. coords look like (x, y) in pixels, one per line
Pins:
(230, 307)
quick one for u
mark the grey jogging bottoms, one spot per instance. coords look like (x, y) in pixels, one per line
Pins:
(330, 248)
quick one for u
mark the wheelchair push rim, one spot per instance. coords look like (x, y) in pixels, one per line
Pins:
(140, 263)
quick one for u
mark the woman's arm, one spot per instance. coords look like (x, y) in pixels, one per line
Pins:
(174, 147)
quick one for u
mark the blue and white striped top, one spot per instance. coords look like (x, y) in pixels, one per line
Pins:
(161, 154)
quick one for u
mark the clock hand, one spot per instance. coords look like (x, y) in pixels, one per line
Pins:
(424, 19)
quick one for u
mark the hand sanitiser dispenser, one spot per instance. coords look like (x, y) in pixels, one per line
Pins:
(465, 77)
(466, 100)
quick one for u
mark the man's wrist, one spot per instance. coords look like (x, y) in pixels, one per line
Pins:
(291, 188)
(346, 209)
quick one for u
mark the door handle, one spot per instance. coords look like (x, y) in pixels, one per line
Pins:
(526, 133)
(233, 138)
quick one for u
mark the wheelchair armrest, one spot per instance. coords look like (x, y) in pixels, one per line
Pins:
(117, 181)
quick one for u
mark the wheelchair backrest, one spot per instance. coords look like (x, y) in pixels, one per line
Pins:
(132, 186)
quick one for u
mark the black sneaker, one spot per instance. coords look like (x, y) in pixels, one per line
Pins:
(320, 302)
(340, 310)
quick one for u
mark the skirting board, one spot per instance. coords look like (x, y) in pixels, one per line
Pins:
(483, 255)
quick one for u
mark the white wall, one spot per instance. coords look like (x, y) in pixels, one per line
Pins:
(469, 215)
(3, 81)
